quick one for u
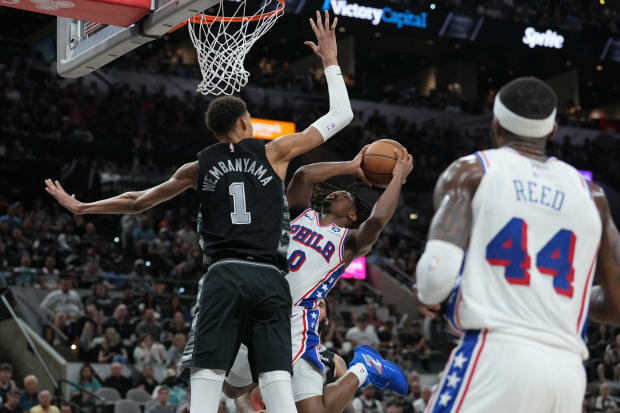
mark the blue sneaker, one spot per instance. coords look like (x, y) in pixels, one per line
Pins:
(381, 373)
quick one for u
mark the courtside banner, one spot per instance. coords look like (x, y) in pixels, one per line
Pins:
(113, 12)
(271, 129)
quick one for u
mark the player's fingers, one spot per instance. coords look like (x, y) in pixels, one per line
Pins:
(398, 154)
(313, 46)
(326, 20)
(319, 19)
(334, 24)
(314, 28)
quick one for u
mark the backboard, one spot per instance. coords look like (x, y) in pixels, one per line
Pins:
(84, 46)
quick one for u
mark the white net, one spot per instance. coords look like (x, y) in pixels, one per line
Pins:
(222, 43)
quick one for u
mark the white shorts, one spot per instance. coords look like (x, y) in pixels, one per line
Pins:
(307, 380)
(492, 372)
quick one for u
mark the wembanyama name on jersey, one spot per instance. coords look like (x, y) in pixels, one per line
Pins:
(246, 165)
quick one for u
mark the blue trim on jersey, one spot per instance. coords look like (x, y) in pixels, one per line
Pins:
(302, 214)
(456, 373)
(312, 338)
(584, 329)
(325, 287)
(484, 168)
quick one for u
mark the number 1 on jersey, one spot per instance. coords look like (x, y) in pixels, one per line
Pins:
(240, 215)
(509, 249)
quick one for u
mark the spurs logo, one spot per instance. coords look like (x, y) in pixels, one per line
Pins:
(52, 4)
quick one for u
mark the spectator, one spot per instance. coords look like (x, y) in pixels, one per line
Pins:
(120, 321)
(141, 282)
(362, 334)
(162, 405)
(89, 351)
(147, 381)
(177, 392)
(30, 394)
(24, 275)
(12, 216)
(6, 384)
(144, 233)
(64, 300)
(187, 234)
(185, 407)
(48, 278)
(147, 352)
(606, 369)
(117, 381)
(415, 389)
(177, 324)
(604, 402)
(175, 352)
(66, 408)
(102, 299)
(394, 408)
(111, 349)
(45, 404)
(420, 404)
(149, 326)
(88, 382)
(614, 348)
(11, 402)
(62, 324)
(367, 403)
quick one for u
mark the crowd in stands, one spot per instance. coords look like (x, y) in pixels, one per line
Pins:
(565, 14)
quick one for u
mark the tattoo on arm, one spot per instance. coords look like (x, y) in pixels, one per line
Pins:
(452, 221)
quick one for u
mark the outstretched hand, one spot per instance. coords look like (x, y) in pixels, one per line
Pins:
(404, 165)
(356, 164)
(325, 47)
(57, 191)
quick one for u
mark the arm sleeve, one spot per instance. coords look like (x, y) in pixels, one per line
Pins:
(437, 271)
(340, 113)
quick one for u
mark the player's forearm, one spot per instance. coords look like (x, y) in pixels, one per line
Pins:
(319, 172)
(386, 205)
(121, 204)
(340, 113)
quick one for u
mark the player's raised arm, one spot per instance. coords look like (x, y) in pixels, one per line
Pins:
(299, 191)
(605, 297)
(449, 232)
(282, 150)
(129, 202)
(359, 242)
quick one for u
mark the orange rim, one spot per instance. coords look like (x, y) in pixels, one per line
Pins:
(208, 19)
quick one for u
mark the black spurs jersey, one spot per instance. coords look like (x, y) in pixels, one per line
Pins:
(243, 206)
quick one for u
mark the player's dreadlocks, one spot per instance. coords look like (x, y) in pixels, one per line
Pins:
(362, 207)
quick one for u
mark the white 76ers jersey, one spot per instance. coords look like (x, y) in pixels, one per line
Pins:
(316, 262)
(532, 252)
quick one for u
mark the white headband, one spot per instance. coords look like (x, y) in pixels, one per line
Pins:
(531, 128)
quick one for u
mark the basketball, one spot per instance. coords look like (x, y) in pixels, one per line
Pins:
(379, 161)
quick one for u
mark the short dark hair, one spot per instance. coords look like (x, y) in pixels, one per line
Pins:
(529, 97)
(222, 114)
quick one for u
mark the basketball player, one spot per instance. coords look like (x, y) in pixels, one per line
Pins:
(335, 368)
(244, 233)
(323, 245)
(531, 230)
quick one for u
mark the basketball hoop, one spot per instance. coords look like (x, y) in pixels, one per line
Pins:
(222, 43)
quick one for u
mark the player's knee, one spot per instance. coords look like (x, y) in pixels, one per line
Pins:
(269, 377)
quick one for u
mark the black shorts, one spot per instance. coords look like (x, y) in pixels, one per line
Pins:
(241, 301)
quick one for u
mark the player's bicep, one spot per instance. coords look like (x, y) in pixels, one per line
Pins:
(359, 242)
(283, 149)
(341, 367)
(452, 199)
(299, 192)
(185, 177)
